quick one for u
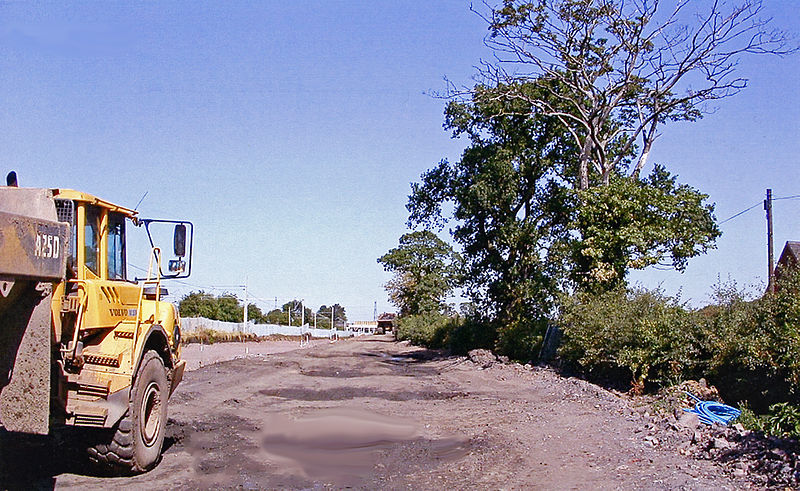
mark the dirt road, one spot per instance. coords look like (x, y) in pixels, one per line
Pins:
(372, 413)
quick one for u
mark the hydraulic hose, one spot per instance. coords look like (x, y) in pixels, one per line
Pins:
(711, 412)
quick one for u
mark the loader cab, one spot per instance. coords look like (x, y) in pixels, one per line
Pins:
(97, 242)
(104, 246)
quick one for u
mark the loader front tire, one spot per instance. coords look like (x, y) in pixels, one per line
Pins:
(135, 445)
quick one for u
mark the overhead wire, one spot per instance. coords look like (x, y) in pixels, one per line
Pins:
(739, 214)
(796, 196)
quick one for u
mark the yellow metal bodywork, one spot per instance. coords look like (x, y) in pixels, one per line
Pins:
(82, 197)
(107, 319)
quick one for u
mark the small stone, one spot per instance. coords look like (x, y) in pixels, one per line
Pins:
(652, 440)
(689, 420)
(722, 444)
(780, 453)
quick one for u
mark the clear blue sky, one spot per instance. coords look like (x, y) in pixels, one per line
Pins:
(289, 132)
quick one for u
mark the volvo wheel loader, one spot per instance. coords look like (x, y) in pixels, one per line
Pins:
(81, 343)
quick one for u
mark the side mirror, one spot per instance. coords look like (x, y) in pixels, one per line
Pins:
(179, 242)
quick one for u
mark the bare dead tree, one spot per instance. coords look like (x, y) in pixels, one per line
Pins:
(615, 71)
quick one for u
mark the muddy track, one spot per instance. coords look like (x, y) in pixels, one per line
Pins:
(375, 414)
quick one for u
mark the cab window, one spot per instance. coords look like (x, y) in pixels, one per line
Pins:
(116, 246)
(92, 241)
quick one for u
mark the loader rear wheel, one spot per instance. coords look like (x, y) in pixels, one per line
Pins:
(135, 445)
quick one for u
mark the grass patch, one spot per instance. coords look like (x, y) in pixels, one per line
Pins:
(211, 336)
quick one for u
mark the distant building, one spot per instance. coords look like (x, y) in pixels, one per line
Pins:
(384, 324)
(363, 327)
(789, 260)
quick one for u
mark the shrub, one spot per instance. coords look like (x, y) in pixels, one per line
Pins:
(643, 334)
(427, 330)
(748, 348)
(437, 331)
(781, 420)
(521, 340)
(468, 334)
(753, 346)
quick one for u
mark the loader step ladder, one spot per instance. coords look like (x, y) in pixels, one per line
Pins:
(148, 284)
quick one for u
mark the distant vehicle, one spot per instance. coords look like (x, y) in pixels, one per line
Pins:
(81, 343)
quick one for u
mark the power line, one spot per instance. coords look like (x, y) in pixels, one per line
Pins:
(740, 213)
(795, 196)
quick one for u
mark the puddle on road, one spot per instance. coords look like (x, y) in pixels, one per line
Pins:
(344, 445)
(409, 357)
(350, 393)
(334, 373)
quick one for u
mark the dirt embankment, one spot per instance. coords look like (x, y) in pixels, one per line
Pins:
(374, 414)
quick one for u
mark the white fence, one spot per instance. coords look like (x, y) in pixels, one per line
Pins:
(194, 323)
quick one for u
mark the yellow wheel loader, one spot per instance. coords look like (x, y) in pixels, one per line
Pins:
(81, 343)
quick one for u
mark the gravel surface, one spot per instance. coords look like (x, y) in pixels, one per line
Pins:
(371, 413)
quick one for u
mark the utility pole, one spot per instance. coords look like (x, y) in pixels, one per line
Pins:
(244, 316)
(770, 258)
(375, 311)
(289, 309)
(332, 312)
(302, 313)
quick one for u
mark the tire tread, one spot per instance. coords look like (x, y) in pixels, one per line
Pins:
(118, 455)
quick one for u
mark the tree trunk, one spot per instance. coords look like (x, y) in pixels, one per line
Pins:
(642, 158)
(583, 172)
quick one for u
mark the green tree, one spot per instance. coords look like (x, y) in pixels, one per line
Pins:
(275, 316)
(225, 307)
(426, 270)
(255, 315)
(526, 227)
(198, 304)
(230, 310)
(561, 128)
(634, 223)
(511, 209)
(324, 312)
(297, 310)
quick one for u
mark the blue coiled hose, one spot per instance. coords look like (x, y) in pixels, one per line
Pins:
(711, 412)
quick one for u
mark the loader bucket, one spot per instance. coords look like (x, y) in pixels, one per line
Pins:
(25, 358)
(33, 246)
